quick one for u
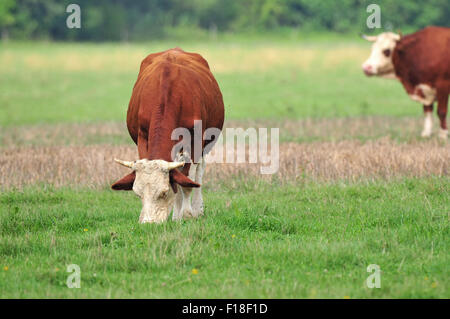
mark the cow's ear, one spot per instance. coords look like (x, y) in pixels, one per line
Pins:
(174, 186)
(181, 179)
(125, 183)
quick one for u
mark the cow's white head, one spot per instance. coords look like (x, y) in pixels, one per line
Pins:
(152, 185)
(380, 61)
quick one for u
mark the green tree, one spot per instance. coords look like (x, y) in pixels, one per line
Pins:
(119, 20)
(6, 16)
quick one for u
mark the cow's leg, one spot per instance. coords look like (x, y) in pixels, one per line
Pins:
(428, 122)
(197, 198)
(182, 207)
(182, 196)
(442, 97)
(186, 206)
(178, 204)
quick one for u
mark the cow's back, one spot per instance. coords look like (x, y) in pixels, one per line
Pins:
(183, 77)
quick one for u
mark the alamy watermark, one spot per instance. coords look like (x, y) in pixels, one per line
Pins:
(74, 279)
(374, 19)
(233, 150)
(74, 19)
(374, 280)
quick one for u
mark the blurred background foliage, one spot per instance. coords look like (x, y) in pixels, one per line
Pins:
(134, 20)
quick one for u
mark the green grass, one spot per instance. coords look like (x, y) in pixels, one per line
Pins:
(257, 240)
(53, 83)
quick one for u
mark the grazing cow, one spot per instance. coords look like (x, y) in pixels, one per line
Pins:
(421, 61)
(173, 89)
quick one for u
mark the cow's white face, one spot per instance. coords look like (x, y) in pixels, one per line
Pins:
(152, 185)
(380, 61)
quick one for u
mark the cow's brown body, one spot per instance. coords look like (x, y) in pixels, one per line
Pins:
(424, 58)
(173, 89)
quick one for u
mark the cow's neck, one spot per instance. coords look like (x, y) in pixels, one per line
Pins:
(390, 75)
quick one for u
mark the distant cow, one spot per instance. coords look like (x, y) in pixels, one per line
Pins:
(173, 89)
(421, 61)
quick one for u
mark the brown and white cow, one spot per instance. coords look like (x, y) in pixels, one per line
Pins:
(174, 88)
(421, 61)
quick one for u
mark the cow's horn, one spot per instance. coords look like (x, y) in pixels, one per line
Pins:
(400, 34)
(173, 165)
(371, 38)
(124, 163)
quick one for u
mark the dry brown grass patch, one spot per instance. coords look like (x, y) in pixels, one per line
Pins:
(93, 166)
(362, 128)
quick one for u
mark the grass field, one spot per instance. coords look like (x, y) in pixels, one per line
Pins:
(52, 83)
(356, 186)
(255, 241)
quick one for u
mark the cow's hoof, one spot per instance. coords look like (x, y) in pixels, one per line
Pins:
(197, 209)
(425, 134)
(443, 134)
(187, 214)
(197, 214)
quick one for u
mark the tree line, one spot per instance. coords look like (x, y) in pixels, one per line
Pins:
(128, 20)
